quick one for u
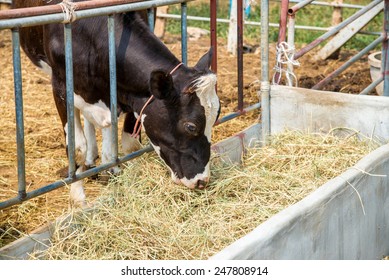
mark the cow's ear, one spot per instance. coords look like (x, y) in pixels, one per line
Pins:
(161, 84)
(205, 61)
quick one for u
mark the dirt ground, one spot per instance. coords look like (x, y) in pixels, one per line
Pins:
(45, 150)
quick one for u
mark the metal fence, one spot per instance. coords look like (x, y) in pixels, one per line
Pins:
(14, 19)
(288, 16)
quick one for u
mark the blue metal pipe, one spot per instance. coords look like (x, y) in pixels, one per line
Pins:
(113, 86)
(265, 83)
(58, 18)
(372, 86)
(150, 17)
(237, 114)
(184, 37)
(70, 135)
(77, 177)
(19, 115)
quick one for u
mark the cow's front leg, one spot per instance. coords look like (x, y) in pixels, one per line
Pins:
(92, 151)
(77, 194)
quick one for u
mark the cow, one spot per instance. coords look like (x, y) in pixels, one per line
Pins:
(176, 105)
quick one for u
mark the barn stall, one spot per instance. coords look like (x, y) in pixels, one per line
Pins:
(309, 116)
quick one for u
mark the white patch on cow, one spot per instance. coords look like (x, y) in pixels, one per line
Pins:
(192, 183)
(79, 139)
(174, 177)
(77, 195)
(90, 135)
(45, 68)
(106, 150)
(205, 91)
(98, 114)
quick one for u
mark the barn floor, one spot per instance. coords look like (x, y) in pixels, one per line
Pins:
(45, 152)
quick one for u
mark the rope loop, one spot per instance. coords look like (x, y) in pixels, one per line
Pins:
(285, 57)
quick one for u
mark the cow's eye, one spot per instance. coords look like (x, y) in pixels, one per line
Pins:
(190, 127)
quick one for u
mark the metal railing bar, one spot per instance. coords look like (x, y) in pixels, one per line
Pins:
(150, 18)
(70, 135)
(19, 114)
(372, 86)
(254, 23)
(184, 37)
(336, 29)
(299, 6)
(213, 35)
(53, 9)
(237, 114)
(239, 35)
(331, 4)
(350, 62)
(385, 51)
(113, 87)
(80, 14)
(77, 177)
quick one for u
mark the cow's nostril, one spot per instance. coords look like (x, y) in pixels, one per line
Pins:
(201, 184)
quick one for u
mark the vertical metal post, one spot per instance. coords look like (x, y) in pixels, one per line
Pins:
(240, 53)
(150, 15)
(213, 15)
(385, 51)
(265, 84)
(113, 85)
(19, 114)
(291, 29)
(70, 98)
(184, 36)
(282, 31)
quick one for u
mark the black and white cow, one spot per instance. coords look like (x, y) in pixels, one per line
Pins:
(183, 104)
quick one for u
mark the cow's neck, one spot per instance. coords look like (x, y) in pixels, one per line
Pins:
(139, 53)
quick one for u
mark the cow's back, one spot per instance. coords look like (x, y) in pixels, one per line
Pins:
(35, 51)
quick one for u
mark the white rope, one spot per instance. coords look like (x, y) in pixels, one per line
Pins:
(285, 55)
(68, 8)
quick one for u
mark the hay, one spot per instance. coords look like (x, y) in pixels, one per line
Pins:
(142, 215)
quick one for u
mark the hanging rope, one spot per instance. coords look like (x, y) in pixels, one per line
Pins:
(284, 57)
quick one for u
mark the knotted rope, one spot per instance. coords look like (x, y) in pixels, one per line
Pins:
(69, 9)
(285, 55)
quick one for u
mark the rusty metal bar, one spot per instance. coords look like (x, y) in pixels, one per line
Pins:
(282, 28)
(55, 8)
(86, 13)
(385, 51)
(283, 21)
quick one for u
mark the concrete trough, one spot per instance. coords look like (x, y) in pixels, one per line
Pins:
(346, 218)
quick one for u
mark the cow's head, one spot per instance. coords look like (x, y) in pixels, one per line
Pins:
(179, 120)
